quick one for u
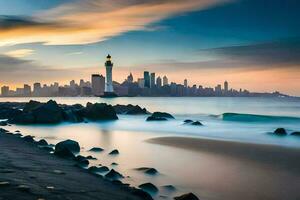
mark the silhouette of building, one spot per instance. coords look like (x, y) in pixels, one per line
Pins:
(165, 81)
(226, 87)
(185, 83)
(129, 78)
(5, 91)
(27, 90)
(98, 84)
(146, 79)
(141, 82)
(158, 82)
(152, 80)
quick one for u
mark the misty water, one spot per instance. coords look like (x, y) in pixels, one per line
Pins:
(209, 175)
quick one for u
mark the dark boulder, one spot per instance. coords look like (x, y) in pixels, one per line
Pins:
(99, 111)
(28, 138)
(8, 112)
(3, 123)
(148, 187)
(151, 118)
(42, 142)
(23, 118)
(187, 121)
(140, 193)
(82, 161)
(48, 113)
(96, 149)
(196, 123)
(148, 170)
(31, 105)
(114, 164)
(130, 109)
(113, 175)
(72, 115)
(163, 115)
(3, 130)
(47, 148)
(296, 133)
(280, 131)
(101, 169)
(67, 148)
(169, 187)
(188, 196)
(91, 158)
(114, 152)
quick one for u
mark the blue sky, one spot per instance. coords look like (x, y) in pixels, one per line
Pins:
(194, 38)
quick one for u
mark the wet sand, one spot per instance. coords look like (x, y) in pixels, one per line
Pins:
(28, 172)
(266, 172)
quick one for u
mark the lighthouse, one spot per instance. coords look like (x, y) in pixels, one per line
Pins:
(109, 90)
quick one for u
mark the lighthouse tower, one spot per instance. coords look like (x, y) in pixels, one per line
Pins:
(109, 90)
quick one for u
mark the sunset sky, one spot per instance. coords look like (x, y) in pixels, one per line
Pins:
(253, 44)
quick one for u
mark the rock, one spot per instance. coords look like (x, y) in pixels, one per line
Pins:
(82, 161)
(280, 131)
(99, 111)
(23, 188)
(187, 121)
(8, 112)
(188, 196)
(47, 148)
(169, 187)
(28, 138)
(48, 113)
(42, 142)
(114, 152)
(101, 169)
(96, 149)
(91, 158)
(113, 175)
(151, 118)
(114, 164)
(140, 193)
(23, 118)
(3, 123)
(71, 114)
(4, 183)
(296, 133)
(130, 109)
(147, 170)
(31, 105)
(67, 148)
(3, 130)
(196, 123)
(149, 187)
(163, 115)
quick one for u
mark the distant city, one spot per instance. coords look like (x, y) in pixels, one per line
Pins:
(147, 86)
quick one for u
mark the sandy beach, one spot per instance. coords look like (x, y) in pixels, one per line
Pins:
(27, 172)
(271, 171)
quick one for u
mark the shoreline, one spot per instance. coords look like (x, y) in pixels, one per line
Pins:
(275, 155)
(29, 172)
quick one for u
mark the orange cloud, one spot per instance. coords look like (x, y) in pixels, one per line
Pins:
(92, 21)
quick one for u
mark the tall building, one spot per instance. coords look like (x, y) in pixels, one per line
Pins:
(72, 84)
(146, 79)
(152, 80)
(4, 91)
(165, 81)
(27, 90)
(98, 84)
(185, 83)
(141, 82)
(130, 78)
(37, 89)
(226, 86)
(109, 89)
(158, 82)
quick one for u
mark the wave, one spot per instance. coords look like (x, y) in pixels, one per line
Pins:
(256, 118)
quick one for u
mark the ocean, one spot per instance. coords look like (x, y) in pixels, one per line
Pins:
(209, 175)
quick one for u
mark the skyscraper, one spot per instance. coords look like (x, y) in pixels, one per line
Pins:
(141, 82)
(165, 81)
(152, 80)
(37, 89)
(4, 91)
(226, 86)
(27, 90)
(146, 79)
(158, 82)
(109, 90)
(185, 83)
(130, 78)
(98, 84)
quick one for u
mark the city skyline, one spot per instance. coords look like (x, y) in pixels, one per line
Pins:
(215, 40)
